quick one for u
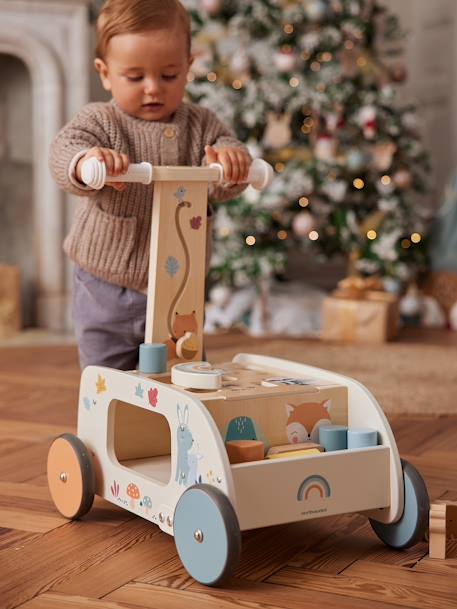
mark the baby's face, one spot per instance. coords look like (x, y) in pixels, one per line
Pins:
(146, 72)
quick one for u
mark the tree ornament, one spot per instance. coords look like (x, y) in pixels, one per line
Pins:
(285, 60)
(348, 62)
(334, 121)
(335, 190)
(325, 148)
(385, 187)
(356, 160)
(403, 179)
(303, 223)
(411, 305)
(316, 10)
(433, 315)
(212, 7)
(240, 62)
(398, 73)
(219, 295)
(383, 154)
(278, 133)
(367, 120)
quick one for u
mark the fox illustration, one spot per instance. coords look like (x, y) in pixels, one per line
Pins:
(304, 420)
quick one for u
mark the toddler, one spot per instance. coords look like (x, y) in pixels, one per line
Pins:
(142, 57)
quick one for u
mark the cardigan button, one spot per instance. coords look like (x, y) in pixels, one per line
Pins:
(169, 133)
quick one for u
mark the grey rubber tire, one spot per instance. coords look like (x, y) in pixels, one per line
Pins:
(413, 523)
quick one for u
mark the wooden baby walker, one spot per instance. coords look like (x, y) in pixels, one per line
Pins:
(206, 452)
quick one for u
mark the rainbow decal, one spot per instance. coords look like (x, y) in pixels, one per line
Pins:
(312, 485)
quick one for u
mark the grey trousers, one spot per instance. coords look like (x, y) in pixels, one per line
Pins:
(109, 322)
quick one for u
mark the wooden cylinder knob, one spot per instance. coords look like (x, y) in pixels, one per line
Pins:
(241, 451)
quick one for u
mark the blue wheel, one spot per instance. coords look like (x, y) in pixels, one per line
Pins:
(413, 523)
(207, 534)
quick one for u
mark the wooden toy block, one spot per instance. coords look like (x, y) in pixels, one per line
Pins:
(443, 526)
(242, 451)
(295, 453)
(333, 437)
(286, 448)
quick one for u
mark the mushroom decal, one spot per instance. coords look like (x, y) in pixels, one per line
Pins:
(147, 503)
(134, 493)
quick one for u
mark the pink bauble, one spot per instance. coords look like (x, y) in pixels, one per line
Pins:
(303, 224)
(212, 7)
(403, 179)
(285, 61)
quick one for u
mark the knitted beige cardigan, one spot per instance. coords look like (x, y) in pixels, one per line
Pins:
(110, 234)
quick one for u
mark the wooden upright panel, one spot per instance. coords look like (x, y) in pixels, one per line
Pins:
(177, 267)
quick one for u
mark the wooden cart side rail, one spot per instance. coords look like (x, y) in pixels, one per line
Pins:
(363, 411)
(301, 488)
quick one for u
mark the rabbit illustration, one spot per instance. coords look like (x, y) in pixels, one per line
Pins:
(185, 441)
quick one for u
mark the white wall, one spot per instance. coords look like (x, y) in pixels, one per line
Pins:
(431, 60)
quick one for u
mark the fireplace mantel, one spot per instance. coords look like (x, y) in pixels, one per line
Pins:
(52, 38)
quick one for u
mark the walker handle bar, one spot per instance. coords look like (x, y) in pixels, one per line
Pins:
(93, 174)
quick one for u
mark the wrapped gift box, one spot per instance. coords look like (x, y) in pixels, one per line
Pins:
(10, 300)
(371, 317)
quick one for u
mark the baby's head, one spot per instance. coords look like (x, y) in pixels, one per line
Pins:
(143, 55)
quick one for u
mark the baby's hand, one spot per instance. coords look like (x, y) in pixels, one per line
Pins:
(116, 164)
(235, 161)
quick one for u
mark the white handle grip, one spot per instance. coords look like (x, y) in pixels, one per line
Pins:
(260, 174)
(93, 173)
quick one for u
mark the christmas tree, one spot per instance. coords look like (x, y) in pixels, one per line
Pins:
(310, 86)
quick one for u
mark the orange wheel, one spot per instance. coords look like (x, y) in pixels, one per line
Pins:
(71, 477)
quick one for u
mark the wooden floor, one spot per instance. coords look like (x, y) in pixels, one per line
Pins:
(112, 559)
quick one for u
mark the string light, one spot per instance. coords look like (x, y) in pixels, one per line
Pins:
(313, 235)
(349, 45)
(386, 180)
(303, 201)
(358, 183)
(212, 76)
(406, 243)
(315, 66)
(237, 84)
(250, 240)
(361, 62)
(279, 167)
(371, 235)
(294, 82)
(282, 235)
(288, 28)
(326, 57)
(416, 238)
(224, 231)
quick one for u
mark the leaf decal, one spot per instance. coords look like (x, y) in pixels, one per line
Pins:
(171, 266)
(153, 396)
